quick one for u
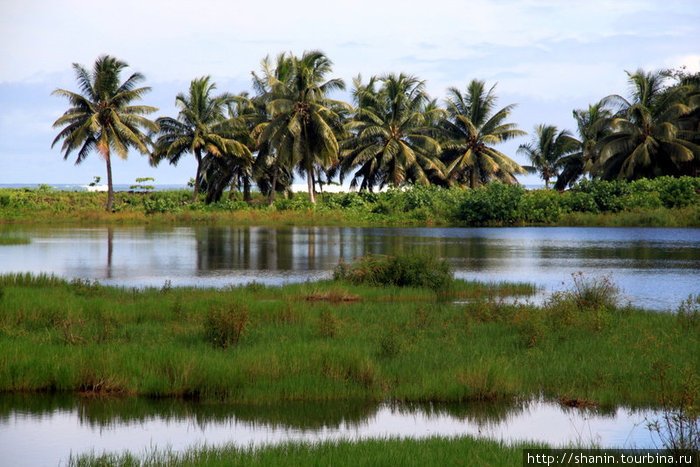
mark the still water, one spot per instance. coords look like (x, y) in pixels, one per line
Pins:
(655, 268)
(46, 430)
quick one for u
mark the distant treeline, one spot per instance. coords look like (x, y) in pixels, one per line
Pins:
(393, 133)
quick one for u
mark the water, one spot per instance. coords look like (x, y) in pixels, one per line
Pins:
(46, 430)
(655, 268)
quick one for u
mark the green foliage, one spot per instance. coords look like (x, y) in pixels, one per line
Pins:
(402, 271)
(164, 202)
(140, 184)
(498, 203)
(225, 326)
(540, 206)
(297, 202)
(578, 201)
(678, 192)
(608, 195)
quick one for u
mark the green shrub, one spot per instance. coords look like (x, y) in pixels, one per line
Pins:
(297, 202)
(497, 203)
(540, 206)
(578, 201)
(610, 196)
(162, 202)
(401, 271)
(224, 327)
(678, 192)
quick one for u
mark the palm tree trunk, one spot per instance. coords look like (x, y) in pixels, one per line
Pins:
(273, 187)
(246, 189)
(198, 177)
(310, 183)
(110, 187)
(473, 179)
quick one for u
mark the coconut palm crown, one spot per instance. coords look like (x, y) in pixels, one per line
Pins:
(391, 140)
(305, 123)
(202, 128)
(101, 116)
(472, 127)
(547, 151)
(643, 139)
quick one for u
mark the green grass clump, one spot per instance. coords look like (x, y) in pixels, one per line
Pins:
(225, 327)
(401, 271)
(409, 452)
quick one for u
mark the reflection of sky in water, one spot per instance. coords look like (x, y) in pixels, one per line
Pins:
(48, 439)
(655, 268)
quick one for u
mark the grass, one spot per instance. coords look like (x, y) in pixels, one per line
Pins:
(13, 241)
(375, 452)
(291, 344)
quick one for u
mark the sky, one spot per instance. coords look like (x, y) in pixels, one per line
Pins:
(547, 56)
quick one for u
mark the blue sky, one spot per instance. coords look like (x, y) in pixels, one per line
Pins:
(549, 57)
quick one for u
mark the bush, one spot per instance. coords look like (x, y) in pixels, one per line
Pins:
(497, 203)
(162, 202)
(224, 327)
(678, 192)
(610, 196)
(578, 201)
(540, 206)
(401, 271)
(294, 203)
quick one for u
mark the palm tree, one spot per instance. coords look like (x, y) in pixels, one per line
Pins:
(304, 122)
(470, 130)
(644, 140)
(271, 173)
(101, 117)
(591, 127)
(391, 140)
(547, 150)
(201, 128)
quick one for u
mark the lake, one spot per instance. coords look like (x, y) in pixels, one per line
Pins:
(46, 429)
(655, 268)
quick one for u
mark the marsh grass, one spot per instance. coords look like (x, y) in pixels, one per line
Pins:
(416, 270)
(224, 327)
(432, 451)
(262, 345)
(13, 240)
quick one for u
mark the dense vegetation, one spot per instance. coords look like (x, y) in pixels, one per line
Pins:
(663, 201)
(334, 341)
(394, 134)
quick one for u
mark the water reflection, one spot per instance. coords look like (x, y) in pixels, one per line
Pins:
(656, 268)
(42, 430)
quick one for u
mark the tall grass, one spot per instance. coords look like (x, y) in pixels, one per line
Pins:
(396, 343)
(405, 452)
